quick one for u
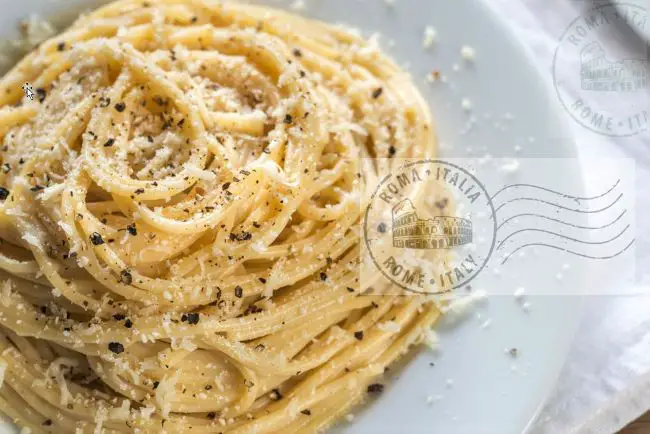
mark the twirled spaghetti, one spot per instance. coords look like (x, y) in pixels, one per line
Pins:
(179, 222)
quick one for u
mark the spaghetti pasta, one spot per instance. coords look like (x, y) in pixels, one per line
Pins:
(179, 222)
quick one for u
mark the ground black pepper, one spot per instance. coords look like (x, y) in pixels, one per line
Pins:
(116, 347)
(190, 318)
(96, 239)
(239, 291)
(41, 94)
(125, 277)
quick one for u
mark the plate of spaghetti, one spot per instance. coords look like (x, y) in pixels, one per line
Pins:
(181, 219)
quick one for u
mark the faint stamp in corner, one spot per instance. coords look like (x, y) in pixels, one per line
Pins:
(601, 71)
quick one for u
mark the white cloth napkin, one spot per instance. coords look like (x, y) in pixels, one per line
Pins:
(605, 383)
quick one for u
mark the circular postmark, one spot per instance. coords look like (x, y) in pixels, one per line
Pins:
(600, 71)
(429, 227)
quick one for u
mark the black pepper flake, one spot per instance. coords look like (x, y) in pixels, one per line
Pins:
(297, 52)
(4, 193)
(350, 289)
(263, 280)
(125, 277)
(139, 191)
(156, 384)
(381, 228)
(109, 143)
(194, 19)
(377, 92)
(359, 335)
(118, 317)
(323, 276)
(181, 122)
(6, 168)
(212, 415)
(239, 291)
(190, 318)
(128, 323)
(225, 186)
(104, 102)
(47, 422)
(288, 119)
(131, 229)
(96, 239)
(392, 151)
(207, 387)
(150, 139)
(120, 106)
(116, 347)
(37, 188)
(375, 388)
(276, 395)
(306, 412)
(244, 236)
(41, 94)
(60, 46)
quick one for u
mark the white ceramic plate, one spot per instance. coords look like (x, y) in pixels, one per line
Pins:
(476, 387)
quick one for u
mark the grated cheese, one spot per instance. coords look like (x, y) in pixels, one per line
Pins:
(165, 393)
(468, 53)
(3, 369)
(429, 37)
(389, 326)
(6, 292)
(431, 338)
